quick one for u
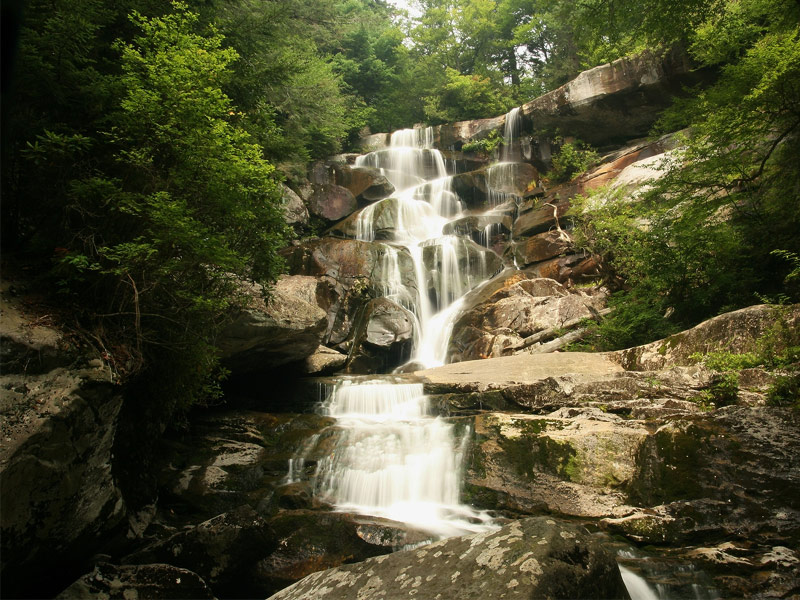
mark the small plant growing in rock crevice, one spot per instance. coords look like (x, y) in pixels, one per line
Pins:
(572, 158)
(487, 145)
(785, 391)
(724, 389)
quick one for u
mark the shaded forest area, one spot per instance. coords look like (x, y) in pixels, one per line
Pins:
(144, 144)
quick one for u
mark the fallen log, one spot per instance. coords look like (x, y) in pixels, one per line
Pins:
(559, 343)
(547, 334)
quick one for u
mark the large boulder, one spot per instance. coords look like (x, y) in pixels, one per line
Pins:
(59, 494)
(286, 328)
(331, 202)
(566, 269)
(380, 217)
(366, 183)
(456, 134)
(540, 215)
(353, 272)
(231, 459)
(614, 102)
(143, 582)
(574, 463)
(383, 338)
(475, 226)
(311, 541)
(224, 551)
(514, 312)
(738, 331)
(324, 361)
(471, 188)
(541, 247)
(532, 558)
(294, 209)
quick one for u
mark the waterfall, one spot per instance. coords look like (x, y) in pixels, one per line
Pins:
(391, 458)
(511, 132)
(445, 267)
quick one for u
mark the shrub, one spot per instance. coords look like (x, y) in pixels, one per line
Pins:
(785, 392)
(572, 158)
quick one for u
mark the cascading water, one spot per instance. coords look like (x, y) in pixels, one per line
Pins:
(391, 458)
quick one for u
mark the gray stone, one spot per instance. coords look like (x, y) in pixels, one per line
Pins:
(351, 272)
(223, 551)
(532, 558)
(294, 210)
(738, 331)
(383, 338)
(287, 328)
(520, 309)
(616, 101)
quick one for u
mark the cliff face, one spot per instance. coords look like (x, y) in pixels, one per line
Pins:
(605, 106)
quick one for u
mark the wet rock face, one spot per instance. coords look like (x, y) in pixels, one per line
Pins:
(351, 272)
(475, 225)
(287, 328)
(532, 558)
(366, 183)
(143, 582)
(456, 270)
(383, 339)
(383, 219)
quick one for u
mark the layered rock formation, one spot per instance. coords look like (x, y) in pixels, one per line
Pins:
(58, 427)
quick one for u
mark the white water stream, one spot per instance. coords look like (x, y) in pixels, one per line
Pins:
(391, 458)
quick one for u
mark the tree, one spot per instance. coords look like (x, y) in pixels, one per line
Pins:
(726, 210)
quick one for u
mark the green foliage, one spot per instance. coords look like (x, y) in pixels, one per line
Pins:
(463, 97)
(780, 345)
(155, 204)
(706, 231)
(728, 361)
(486, 145)
(785, 392)
(636, 319)
(573, 157)
(724, 388)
